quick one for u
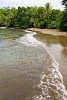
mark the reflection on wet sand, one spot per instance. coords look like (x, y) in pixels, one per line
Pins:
(52, 39)
(57, 46)
(64, 51)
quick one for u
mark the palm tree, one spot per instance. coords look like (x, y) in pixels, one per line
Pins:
(48, 6)
(63, 23)
(48, 11)
(64, 2)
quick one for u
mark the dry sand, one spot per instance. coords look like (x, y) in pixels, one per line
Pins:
(49, 31)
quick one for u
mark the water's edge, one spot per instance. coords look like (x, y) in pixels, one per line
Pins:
(51, 83)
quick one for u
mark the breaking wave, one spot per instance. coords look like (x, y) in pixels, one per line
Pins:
(51, 84)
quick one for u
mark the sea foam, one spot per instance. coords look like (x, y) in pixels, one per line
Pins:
(51, 84)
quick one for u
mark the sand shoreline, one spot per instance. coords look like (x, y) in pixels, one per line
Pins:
(49, 31)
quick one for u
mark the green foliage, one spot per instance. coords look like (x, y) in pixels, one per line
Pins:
(53, 25)
(6, 16)
(26, 17)
(63, 23)
(55, 19)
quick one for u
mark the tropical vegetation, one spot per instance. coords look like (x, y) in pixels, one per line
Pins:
(63, 23)
(37, 17)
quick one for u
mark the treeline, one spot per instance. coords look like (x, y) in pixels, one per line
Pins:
(27, 17)
(63, 23)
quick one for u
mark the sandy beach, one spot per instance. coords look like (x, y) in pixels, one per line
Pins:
(49, 31)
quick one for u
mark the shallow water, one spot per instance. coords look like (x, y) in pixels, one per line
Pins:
(57, 46)
(27, 70)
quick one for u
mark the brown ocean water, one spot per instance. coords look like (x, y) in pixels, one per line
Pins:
(26, 67)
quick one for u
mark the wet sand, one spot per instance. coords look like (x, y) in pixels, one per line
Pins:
(49, 31)
(56, 43)
(57, 46)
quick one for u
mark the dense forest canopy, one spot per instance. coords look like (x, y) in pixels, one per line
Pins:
(37, 17)
(63, 23)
